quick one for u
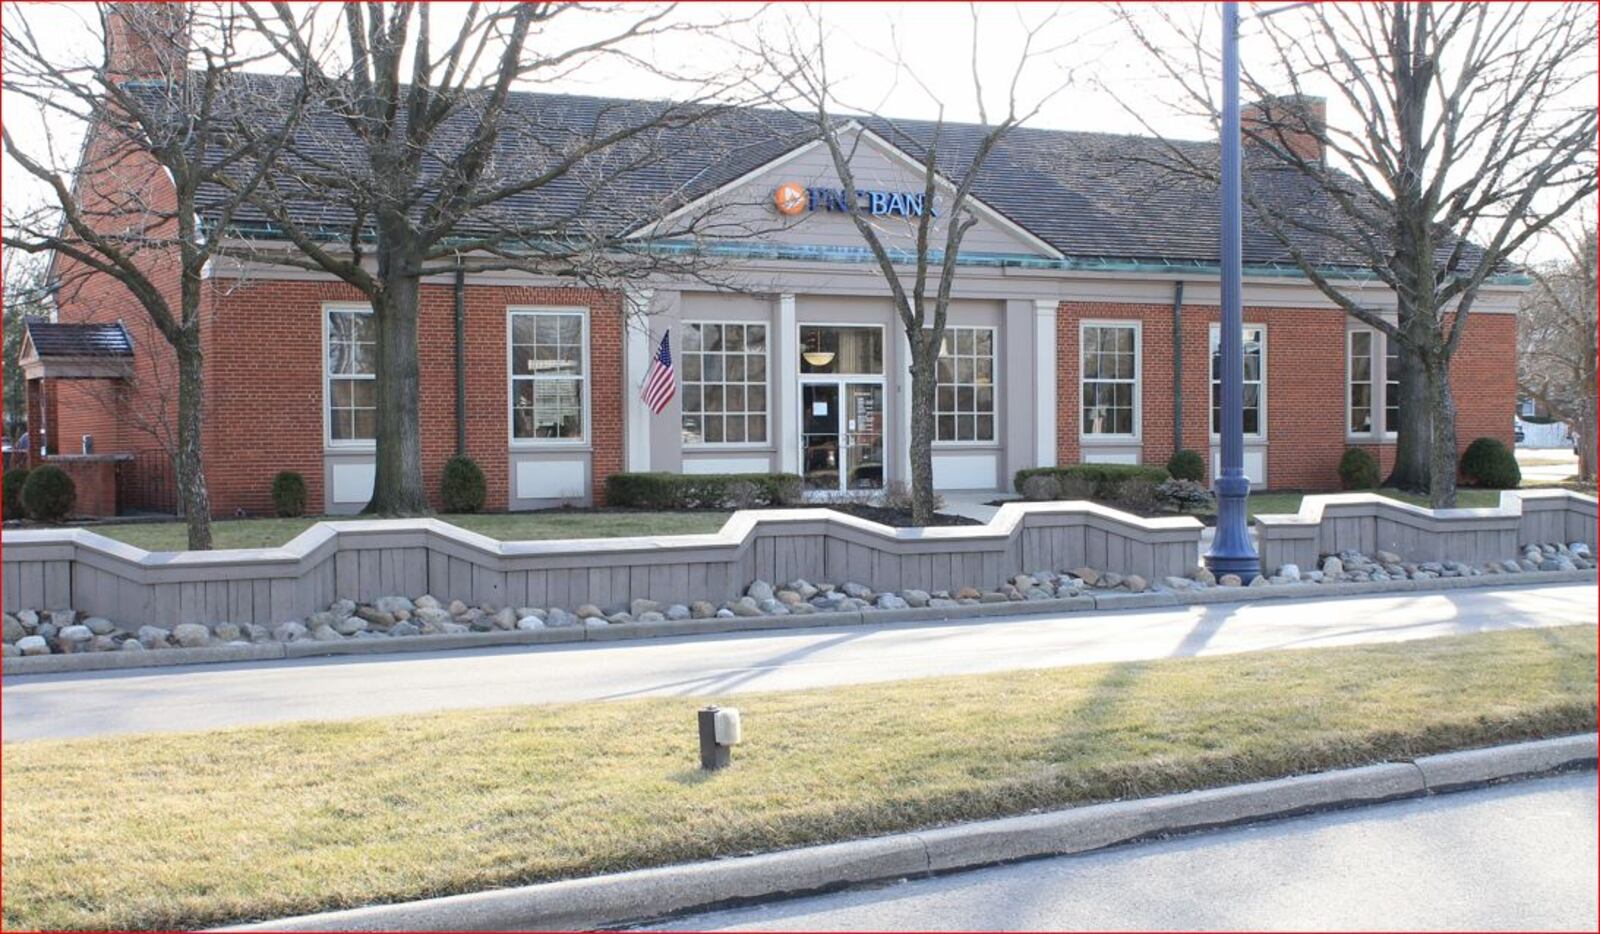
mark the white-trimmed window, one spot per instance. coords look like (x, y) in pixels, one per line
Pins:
(964, 395)
(1372, 384)
(350, 368)
(1109, 379)
(724, 382)
(1255, 380)
(549, 371)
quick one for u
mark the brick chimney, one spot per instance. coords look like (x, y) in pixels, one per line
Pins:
(146, 41)
(1297, 122)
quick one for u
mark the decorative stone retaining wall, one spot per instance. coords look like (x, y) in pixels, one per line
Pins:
(365, 559)
(1368, 523)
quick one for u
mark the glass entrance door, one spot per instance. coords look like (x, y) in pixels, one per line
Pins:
(841, 435)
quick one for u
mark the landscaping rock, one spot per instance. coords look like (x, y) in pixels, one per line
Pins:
(559, 618)
(74, 638)
(744, 606)
(992, 596)
(702, 609)
(968, 593)
(641, 606)
(394, 604)
(1387, 557)
(1110, 579)
(804, 588)
(772, 607)
(858, 591)
(790, 598)
(1179, 583)
(100, 626)
(1581, 549)
(326, 633)
(1088, 575)
(406, 628)
(376, 618)
(1202, 575)
(1257, 581)
(888, 601)
(61, 618)
(13, 629)
(1289, 572)
(256, 633)
(427, 602)
(105, 643)
(457, 608)
(725, 613)
(1038, 593)
(348, 626)
(321, 618)
(653, 616)
(191, 635)
(225, 632)
(505, 619)
(46, 630)
(1135, 583)
(33, 645)
(432, 616)
(133, 645)
(1331, 566)
(594, 623)
(154, 637)
(759, 590)
(676, 611)
(453, 628)
(29, 619)
(342, 608)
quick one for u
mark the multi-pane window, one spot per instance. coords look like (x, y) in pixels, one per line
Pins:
(1373, 371)
(964, 399)
(547, 375)
(1255, 370)
(352, 375)
(724, 383)
(1110, 379)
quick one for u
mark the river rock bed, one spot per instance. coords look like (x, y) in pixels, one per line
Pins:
(66, 632)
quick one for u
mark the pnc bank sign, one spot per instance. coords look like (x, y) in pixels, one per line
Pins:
(792, 198)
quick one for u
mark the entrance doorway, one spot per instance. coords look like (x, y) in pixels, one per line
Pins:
(841, 435)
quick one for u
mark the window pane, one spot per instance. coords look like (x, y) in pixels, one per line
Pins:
(691, 400)
(755, 368)
(713, 430)
(733, 337)
(364, 424)
(713, 336)
(691, 367)
(1361, 368)
(712, 368)
(755, 338)
(733, 399)
(947, 428)
(985, 428)
(691, 337)
(734, 429)
(734, 366)
(692, 433)
(756, 429)
(756, 397)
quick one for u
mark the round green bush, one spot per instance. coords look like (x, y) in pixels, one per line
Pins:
(13, 483)
(49, 494)
(1187, 465)
(289, 493)
(1358, 470)
(1488, 462)
(464, 486)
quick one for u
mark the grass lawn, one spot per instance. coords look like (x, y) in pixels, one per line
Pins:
(555, 523)
(187, 830)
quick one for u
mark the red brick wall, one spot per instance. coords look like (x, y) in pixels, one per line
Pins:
(264, 361)
(1305, 385)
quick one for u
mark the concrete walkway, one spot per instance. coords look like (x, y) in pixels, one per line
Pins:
(1508, 857)
(212, 696)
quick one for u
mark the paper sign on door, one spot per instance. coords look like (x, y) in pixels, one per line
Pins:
(819, 410)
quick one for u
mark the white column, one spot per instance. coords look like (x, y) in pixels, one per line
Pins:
(901, 385)
(1044, 377)
(786, 388)
(636, 415)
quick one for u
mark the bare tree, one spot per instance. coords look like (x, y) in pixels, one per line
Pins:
(429, 163)
(921, 293)
(1473, 132)
(151, 109)
(1556, 329)
(26, 295)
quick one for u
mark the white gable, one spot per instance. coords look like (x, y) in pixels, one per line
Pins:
(797, 201)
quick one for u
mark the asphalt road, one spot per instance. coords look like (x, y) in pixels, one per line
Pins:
(213, 696)
(1508, 857)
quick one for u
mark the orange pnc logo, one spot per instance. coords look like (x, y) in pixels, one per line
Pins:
(790, 198)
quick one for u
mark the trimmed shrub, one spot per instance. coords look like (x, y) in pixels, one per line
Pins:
(1041, 487)
(1187, 465)
(1185, 495)
(1358, 470)
(1139, 494)
(657, 490)
(463, 486)
(1092, 481)
(13, 482)
(289, 494)
(1488, 462)
(49, 494)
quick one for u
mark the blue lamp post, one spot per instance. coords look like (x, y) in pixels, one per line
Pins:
(1231, 551)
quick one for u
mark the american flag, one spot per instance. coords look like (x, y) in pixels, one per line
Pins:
(659, 384)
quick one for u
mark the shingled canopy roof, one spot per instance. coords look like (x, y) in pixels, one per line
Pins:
(1092, 196)
(51, 350)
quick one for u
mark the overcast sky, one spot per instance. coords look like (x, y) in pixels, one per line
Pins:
(874, 49)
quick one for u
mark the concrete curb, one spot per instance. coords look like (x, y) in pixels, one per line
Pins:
(641, 895)
(1106, 602)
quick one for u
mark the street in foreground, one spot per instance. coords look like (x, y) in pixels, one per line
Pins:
(1510, 857)
(213, 696)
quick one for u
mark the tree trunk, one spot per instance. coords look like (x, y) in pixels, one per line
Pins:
(922, 430)
(193, 497)
(397, 488)
(1442, 458)
(1587, 424)
(1413, 444)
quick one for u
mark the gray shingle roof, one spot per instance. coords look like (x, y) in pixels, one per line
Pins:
(1089, 195)
(78, 340)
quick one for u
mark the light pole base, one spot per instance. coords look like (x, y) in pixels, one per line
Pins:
(1231, 551)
